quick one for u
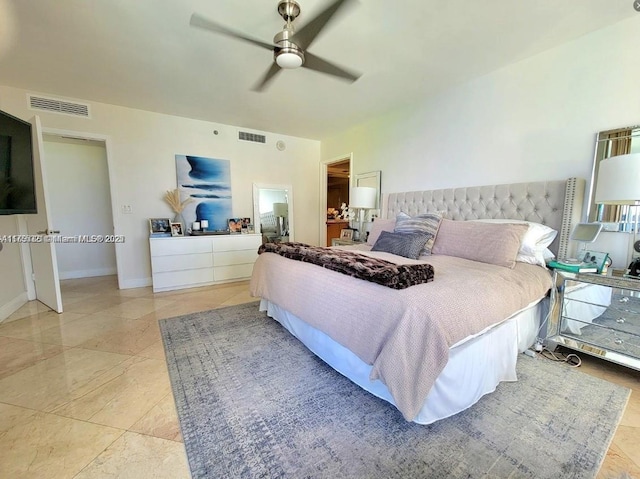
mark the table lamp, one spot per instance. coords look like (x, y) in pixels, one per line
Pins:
(618, 183)
(619, 180)
(361, 199)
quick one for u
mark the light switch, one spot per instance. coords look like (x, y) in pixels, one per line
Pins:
(127, 210)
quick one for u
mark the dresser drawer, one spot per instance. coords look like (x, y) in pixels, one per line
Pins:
(226, 273)
(182, 279)
(236, 242)
(181, 262)
(178, 246)
(228, 258)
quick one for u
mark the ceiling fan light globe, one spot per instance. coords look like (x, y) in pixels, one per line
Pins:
(289, 60)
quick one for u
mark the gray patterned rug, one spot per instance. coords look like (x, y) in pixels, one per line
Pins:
(254, 402)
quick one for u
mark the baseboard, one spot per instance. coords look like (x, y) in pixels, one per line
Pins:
(135, 283)
(12, 306)
(88, 273)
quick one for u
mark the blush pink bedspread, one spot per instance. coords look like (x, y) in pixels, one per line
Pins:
(405, 335)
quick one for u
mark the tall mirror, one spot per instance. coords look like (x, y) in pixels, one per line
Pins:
(620, 141)
(273, 212)
(371, 180)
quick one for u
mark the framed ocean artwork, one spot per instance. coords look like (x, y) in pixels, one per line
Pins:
(208, 182)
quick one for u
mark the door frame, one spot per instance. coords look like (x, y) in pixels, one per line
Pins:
(106, 139)
(323, 190)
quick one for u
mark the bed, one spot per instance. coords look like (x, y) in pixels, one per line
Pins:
(432, 349)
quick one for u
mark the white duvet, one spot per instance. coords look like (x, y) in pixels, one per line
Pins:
(405, 335)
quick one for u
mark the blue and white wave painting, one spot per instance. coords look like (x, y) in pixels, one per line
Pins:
(208, 182)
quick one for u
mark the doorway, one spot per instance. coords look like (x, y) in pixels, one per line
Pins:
(334, 192)
(80, 204)
(338, 184)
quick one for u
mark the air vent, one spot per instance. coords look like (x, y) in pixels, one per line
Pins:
(58, 106)
(246, 136)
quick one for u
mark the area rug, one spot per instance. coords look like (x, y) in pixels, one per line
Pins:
(253, 402)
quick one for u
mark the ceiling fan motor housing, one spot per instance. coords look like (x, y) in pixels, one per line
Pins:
(287, 54)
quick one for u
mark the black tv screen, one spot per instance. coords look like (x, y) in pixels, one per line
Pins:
(17, 185)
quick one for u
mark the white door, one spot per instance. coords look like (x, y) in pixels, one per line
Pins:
(43, 255)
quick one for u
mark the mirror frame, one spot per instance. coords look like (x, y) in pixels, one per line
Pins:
(371, 179)
(602, 152)
(256, 205)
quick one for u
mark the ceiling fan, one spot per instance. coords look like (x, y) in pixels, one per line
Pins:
(289, 46)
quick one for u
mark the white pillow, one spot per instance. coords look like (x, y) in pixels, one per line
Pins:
(378, 226)
(535, 242)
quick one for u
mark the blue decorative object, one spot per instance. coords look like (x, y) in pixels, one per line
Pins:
(208, 182)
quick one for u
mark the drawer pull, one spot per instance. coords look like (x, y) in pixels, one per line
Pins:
(620, 320)
(624, 299)
(618, 341)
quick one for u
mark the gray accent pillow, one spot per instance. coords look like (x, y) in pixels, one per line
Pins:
(427, 223)
(493, 243)
(402, 244)
(378, 226)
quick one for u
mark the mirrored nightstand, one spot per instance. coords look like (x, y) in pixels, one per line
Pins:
(597, 315)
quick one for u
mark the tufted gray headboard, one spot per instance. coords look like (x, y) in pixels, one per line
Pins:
(557, 204)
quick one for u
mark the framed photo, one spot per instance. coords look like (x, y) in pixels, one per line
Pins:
(159, 226)
(251, 229)
(176, 229)
(594, 258)
(346, 234)
(235, 225)
(245, 225)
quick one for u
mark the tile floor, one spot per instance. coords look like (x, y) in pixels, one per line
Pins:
(86, 394)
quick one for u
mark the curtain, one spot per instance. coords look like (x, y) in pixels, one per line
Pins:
(619, 143)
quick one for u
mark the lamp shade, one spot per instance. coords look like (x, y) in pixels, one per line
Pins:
(619, 180)
(362, 197)
(281, 209)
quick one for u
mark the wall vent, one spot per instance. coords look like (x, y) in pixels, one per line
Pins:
(254, 137)
(58, 106)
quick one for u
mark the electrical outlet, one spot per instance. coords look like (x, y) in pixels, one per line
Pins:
(539, 346)
(127, 210)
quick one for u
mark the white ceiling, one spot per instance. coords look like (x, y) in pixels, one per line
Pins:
(143, 54)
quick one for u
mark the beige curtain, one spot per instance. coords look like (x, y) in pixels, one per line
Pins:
(619, 143)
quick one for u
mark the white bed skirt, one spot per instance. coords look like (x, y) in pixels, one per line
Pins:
(475, 367)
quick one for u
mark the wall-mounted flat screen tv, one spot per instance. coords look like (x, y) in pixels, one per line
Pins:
(17, 185)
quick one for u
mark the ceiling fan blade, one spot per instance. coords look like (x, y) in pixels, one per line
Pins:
(266, 79)
(323, 66)
(206, 24)
(307, 34)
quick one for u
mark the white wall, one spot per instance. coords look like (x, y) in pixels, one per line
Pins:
(534, 120)
(142, 146)
(80, 204)
(12, 287)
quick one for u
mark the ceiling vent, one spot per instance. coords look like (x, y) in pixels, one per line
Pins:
(58, 106)
(253, 137)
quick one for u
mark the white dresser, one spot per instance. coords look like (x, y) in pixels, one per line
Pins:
(191, 261)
